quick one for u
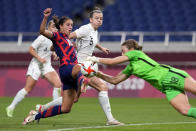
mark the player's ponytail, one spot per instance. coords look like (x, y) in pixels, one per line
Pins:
(95, 10)
(132, 44)
(60, 21)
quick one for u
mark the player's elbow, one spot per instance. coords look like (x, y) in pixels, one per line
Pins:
(42, 31)
(30, 49)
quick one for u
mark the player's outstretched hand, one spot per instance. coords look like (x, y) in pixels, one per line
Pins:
(47, 12)
(92, 58)
(106, 50)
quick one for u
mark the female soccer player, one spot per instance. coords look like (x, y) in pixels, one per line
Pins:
(40, 65)
(87, 40)
(170, 81)
(70, 74)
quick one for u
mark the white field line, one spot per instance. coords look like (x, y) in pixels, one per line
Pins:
(137, 124)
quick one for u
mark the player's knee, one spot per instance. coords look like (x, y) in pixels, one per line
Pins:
(103, 87)
(184, 111)
(58, 85)
(65, 109)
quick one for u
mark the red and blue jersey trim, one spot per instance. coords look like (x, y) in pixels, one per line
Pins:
(64, 49)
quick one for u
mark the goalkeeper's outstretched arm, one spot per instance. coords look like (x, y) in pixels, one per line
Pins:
(112, 79)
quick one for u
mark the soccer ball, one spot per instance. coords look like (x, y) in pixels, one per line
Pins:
(89, 68)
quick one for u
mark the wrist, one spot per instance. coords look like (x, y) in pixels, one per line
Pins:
(46, 17)
(97, 59)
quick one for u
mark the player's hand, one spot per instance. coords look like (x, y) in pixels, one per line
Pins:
(106, 50)
(47, 12)
(55, 57)
(42, 60)
(92, 58)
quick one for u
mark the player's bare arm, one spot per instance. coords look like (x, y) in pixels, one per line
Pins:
(34, 54)
(112, 79)
(43, 31)
(101, 48)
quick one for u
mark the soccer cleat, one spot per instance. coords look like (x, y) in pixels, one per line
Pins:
(39, 108)
(84, 85)
(30, 118)
(9, 112)
(114, 122)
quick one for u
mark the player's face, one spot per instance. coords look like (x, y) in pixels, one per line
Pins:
(67, 27)
(96, 20)
(124, 49)
(52, 27)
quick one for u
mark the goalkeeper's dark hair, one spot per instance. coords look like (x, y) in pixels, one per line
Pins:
(130, 43)
(95, 10)
(60, 21)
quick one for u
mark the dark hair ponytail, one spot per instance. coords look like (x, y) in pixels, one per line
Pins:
(60, 21)
(130, 43)
(95, 10)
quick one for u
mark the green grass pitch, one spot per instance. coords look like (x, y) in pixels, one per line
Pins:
(139, 114)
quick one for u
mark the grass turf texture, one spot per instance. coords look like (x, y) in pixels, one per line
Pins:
(88, 113)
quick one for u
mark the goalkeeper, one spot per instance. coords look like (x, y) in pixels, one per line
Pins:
(170, 81)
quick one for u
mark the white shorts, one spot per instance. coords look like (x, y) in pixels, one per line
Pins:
(35, 70)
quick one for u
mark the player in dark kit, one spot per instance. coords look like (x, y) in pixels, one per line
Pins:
(73, 81)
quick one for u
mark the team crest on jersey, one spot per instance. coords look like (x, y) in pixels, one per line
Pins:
(70, 43)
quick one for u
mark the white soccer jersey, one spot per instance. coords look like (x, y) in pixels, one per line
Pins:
(87, 38)
(42, 46)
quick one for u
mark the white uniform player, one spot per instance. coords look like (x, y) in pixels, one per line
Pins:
(40, 65)
(36, 69)
(86, 41)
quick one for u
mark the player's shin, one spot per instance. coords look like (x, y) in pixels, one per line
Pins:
(105, 104)
(52, 111)
(55, 102)
(56, 93)
(82, 82)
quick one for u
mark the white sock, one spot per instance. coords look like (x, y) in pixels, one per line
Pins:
(56, 93)
(105, 104)
(19, 97)
(55, 102)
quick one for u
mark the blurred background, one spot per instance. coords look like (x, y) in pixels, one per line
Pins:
(165, 28)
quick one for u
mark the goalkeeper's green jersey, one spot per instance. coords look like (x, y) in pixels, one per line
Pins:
(144, 67)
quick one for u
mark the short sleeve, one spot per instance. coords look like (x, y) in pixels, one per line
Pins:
(83, 31)
(127, 71)
(36, 43)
